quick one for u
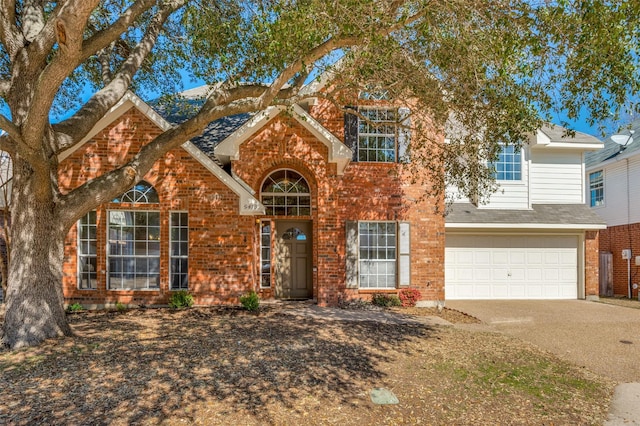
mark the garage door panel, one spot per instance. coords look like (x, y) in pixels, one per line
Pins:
(511, 267)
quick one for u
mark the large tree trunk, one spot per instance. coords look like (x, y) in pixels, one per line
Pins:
(35, 304)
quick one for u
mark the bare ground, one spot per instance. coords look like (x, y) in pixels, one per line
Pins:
(225, 366)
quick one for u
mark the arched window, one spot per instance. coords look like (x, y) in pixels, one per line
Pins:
(286, 193)
(133, 256)
(142, 192)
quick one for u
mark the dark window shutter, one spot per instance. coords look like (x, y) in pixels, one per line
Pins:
(351, 234)
(404, 135)
(351, 132)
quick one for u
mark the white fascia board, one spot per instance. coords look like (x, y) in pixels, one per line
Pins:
(572, 226)
(577, 146)
(128, 101)
(230, 146)
(539, 139)
(248, 204)
(339, 153)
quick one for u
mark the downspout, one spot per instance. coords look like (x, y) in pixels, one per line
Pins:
(629, 232)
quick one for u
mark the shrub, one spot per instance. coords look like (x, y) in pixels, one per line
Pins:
(76, 307)
(250, 301)
(121, 307)
(181, 299)
(385, 300)
(409, 297)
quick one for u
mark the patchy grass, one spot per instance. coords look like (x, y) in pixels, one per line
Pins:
(217, 366)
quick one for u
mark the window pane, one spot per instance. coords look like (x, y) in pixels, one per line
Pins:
(87, 251)
(377, 254)
(509, 164)
(377, 135)
(134, 249)
(179, 251)
(283, 192)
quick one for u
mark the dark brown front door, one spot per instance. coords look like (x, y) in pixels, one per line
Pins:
(293, 260)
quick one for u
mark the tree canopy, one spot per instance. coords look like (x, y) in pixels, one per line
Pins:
(483, 70)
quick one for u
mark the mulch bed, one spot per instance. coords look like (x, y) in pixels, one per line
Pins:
(227, 366)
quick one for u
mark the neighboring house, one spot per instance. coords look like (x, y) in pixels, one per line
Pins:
(613, 176)
(295, 204)
(535, 238)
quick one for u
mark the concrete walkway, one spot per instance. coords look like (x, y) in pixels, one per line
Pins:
(603, 338)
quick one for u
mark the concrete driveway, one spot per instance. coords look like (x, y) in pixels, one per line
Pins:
(603, 338)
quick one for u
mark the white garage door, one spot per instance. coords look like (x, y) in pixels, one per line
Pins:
(511, 267)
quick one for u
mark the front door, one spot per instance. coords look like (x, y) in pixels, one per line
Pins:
(293, 260)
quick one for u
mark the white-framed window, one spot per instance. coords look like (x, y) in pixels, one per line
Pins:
(377, 255)
(179, 251)
(142, 192)
(133, 255)
(265, 254)
(378, 135)
(596, 188)
(508, 166)
(286, 193)
(87, 252)
(133, 249)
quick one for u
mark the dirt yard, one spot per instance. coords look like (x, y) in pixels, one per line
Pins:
(226, 366)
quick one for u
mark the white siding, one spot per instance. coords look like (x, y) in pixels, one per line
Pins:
(615, 210)
(512, 194)
(556, 177)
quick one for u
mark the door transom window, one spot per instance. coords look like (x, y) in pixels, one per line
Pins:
(286, 193)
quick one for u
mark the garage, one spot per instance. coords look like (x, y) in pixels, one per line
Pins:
(511, 266)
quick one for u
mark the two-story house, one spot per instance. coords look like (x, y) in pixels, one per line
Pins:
(311, 203)
(535, 238)
(302, 203)
(613, 174)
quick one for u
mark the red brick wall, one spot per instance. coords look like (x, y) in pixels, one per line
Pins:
(592, 264)
(221, 252)
(367, 191)
(614, 239)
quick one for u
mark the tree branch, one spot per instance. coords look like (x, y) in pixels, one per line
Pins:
(5, 86)
(69, 28)
(7, 144)
(72, 130)
(102, 39)
(12, 130)
(10, 37)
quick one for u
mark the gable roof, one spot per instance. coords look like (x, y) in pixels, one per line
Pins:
(612, 151)
(248, 204)
(554, 136)
(187, 104)
(229, 148)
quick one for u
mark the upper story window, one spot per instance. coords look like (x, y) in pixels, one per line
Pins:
(142, 192)
(508, 166)
(286, 193)
(378, 134)
(596, 188)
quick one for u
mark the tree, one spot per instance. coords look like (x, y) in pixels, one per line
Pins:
(488, 69)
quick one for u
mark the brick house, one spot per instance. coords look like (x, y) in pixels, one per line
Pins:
(296, 204)
(612, 174)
